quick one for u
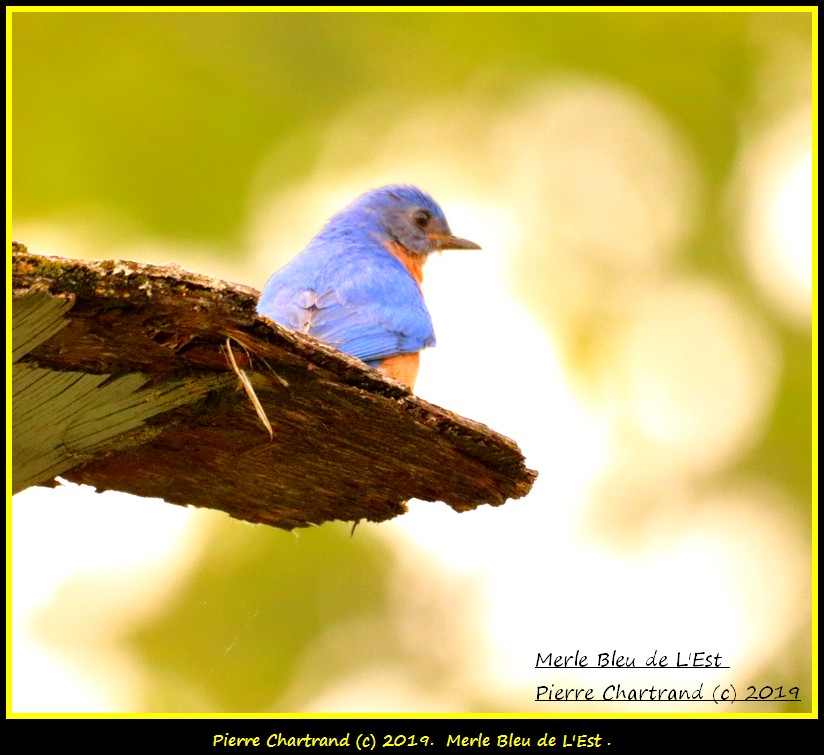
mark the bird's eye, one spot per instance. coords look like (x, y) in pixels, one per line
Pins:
(422, 218)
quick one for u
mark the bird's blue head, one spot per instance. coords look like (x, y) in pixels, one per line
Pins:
(406, 215)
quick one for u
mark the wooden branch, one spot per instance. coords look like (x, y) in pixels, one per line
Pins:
(144, 379)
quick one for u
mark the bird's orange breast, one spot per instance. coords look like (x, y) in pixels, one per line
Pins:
(410, 260)
(402, 367)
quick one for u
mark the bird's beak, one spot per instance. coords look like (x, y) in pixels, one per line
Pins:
(447, 241)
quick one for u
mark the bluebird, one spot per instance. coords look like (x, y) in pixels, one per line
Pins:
(357, 285)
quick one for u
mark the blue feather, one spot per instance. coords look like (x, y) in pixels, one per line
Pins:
(349, 291)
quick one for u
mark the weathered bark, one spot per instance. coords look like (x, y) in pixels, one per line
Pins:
(123, 380)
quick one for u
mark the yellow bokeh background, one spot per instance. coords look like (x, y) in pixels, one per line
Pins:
(639, 321)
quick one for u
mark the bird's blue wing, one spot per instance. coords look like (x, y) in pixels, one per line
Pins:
(362, 301)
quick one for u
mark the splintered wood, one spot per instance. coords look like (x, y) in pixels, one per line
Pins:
(166, 384)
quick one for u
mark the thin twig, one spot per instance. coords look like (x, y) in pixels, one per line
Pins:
(250, 391)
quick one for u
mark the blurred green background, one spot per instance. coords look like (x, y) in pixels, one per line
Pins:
(640, 183)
